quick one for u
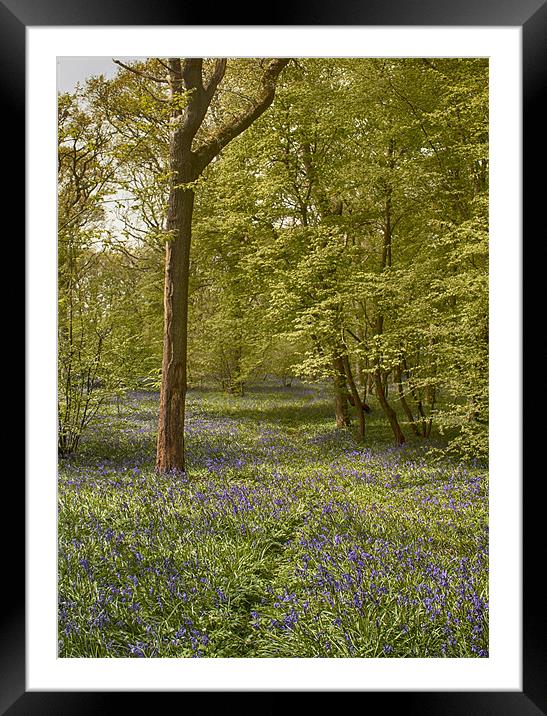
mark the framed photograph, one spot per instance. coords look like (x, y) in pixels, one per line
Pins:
(48, 48)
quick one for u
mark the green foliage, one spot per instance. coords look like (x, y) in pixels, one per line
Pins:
(368, 180)
(351, 218)
(99, 299)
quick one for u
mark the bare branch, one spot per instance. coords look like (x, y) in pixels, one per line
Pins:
(146, 75)
(158, 59)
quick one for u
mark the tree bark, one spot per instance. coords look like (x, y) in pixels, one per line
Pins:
(426, 423)
(170, 442)
(356, 397)
(381, 377)
(388, 410)
(341, 409)
(402, 400)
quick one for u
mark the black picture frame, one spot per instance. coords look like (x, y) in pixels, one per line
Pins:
(531, 17)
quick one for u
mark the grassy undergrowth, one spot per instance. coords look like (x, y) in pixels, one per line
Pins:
(287, 538)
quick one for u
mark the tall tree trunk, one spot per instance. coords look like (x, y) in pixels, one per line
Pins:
(381, 377)
(402, 400)
(341, 408)
(170, 442)
(356, 397)
(433, 396)
(191, 97)
(388, 410)
(385, 379)
(236, 384)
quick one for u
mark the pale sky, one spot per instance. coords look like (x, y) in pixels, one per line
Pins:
(71, 70)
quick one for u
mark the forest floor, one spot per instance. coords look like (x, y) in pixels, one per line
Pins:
(286, 537)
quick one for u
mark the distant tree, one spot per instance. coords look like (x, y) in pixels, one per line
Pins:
(372, 176)
(95, 287)
(82, 183)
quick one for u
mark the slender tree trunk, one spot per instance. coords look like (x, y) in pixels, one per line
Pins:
(341, 409)
(356, 397)
(385, 379)
(380, 377)
(388, 410)
(402, 400)
(427, 430)
(417, 400)
(360, 374)
(236, 384)
(360, 364)
(369, 384)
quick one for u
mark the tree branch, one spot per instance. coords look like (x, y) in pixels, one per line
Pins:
(352, 334)
(146, 75)
(211, 148)
(175, 75)
(216, 77)
(192, 73)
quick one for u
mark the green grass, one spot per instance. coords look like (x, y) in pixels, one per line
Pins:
(286, 538)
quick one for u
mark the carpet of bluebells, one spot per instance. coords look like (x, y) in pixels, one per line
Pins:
(286, 537)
